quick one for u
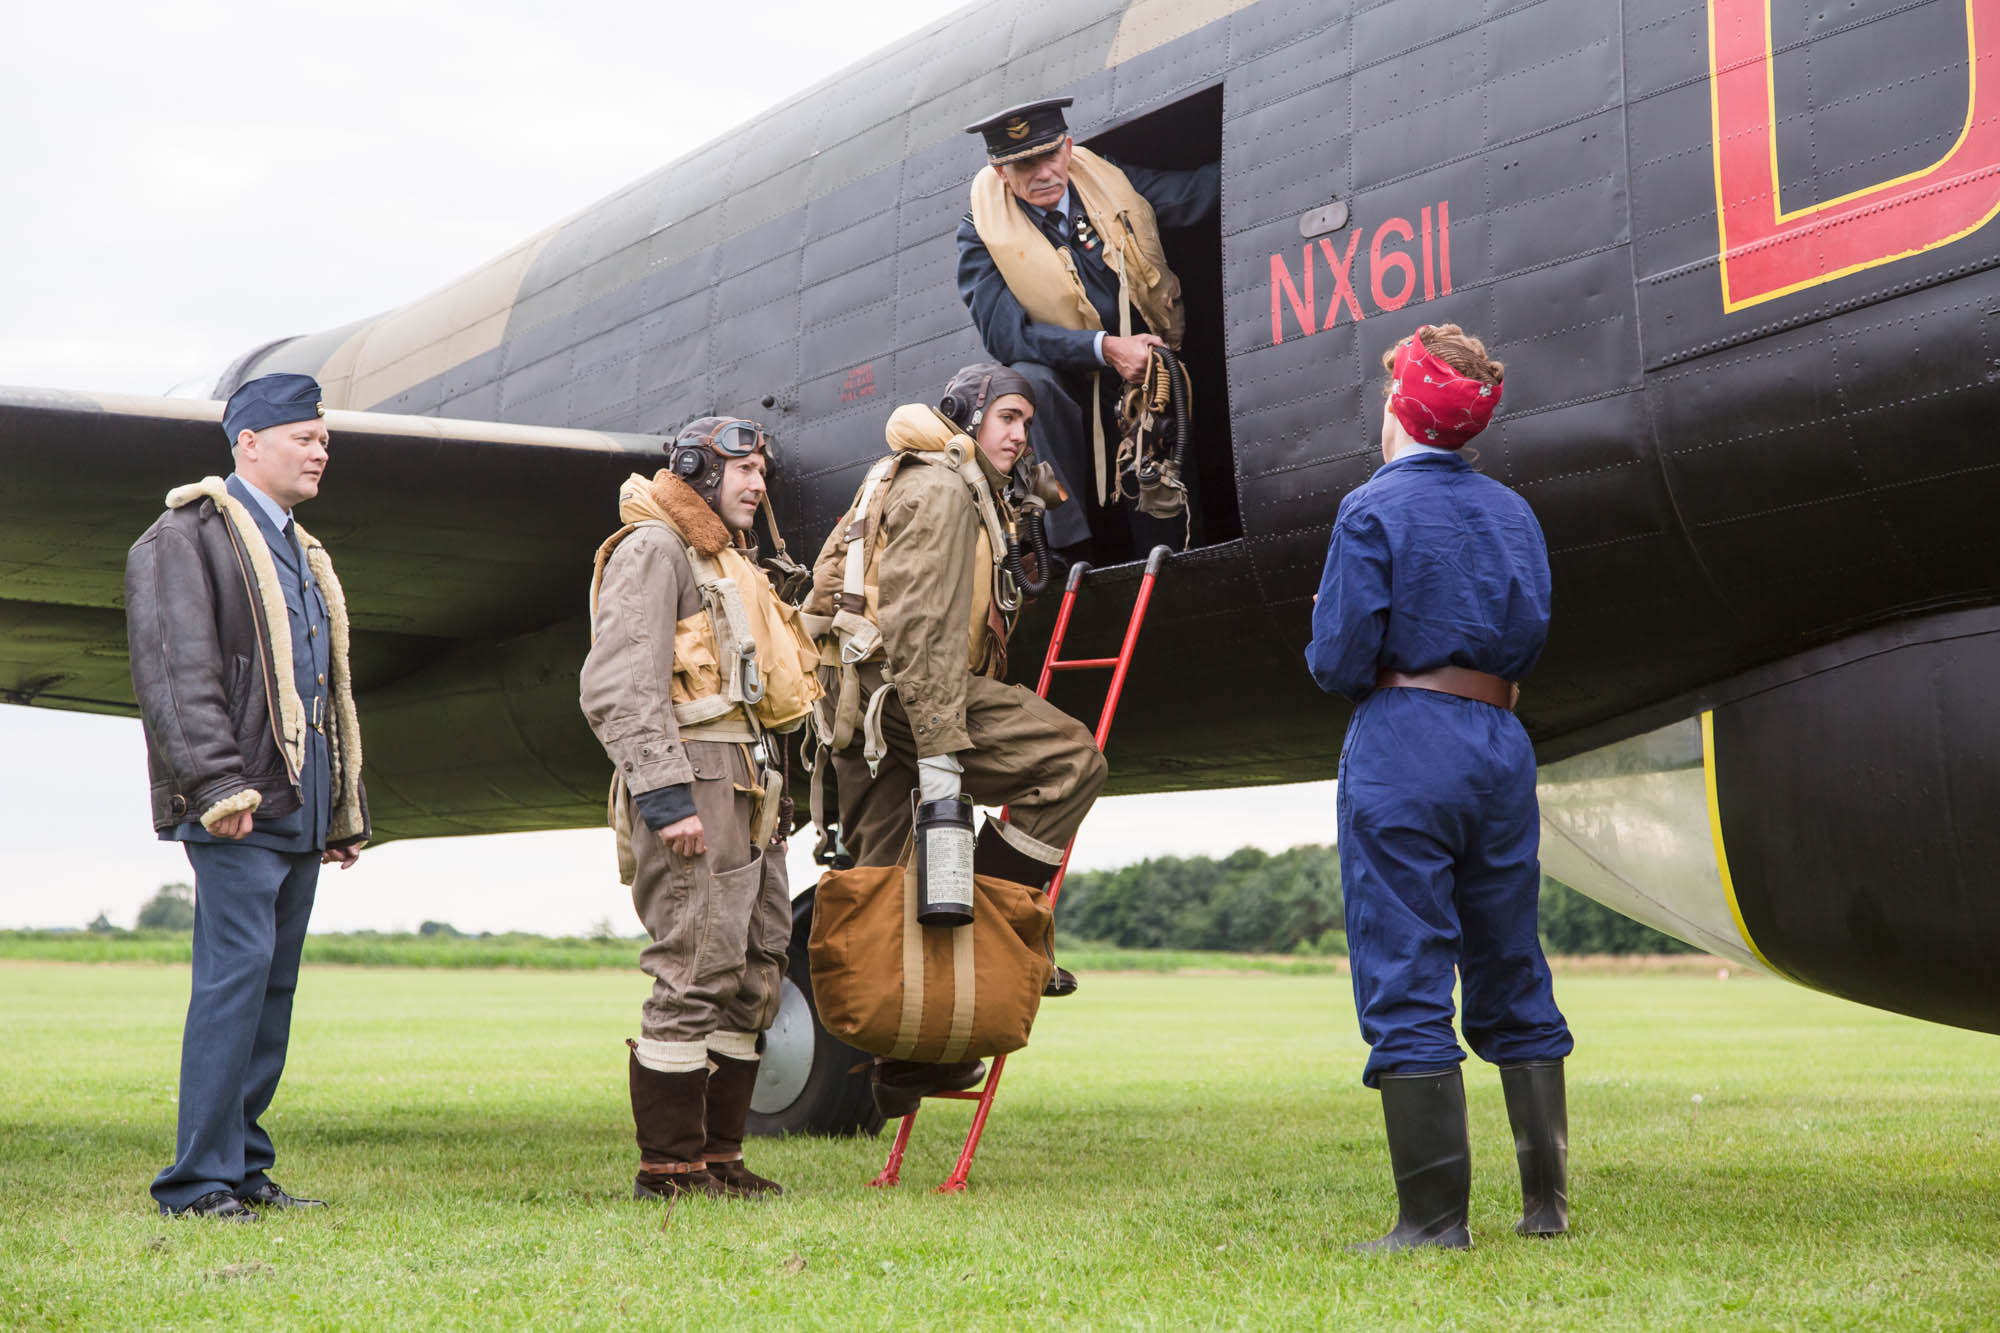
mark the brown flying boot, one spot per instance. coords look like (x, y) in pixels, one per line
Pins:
(668, 1112)
(993, 855)
(730, 1083)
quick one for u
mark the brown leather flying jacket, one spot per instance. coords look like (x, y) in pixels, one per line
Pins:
(210, 691)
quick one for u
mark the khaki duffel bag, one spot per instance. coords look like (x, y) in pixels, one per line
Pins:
(890, 986)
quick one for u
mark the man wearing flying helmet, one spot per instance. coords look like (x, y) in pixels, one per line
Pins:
(914, 581)
(1434, 603)
(693, 662)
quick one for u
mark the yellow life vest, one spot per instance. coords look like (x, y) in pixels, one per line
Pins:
(1044, 279)
(745, 654)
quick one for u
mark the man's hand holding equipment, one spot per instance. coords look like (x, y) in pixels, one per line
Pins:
(1128, 356)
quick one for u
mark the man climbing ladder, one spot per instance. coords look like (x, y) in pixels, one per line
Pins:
(1052, 663)
(916, 586)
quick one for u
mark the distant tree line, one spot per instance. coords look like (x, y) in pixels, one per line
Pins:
(1253, 902)
(1248, 902)
(172, 908)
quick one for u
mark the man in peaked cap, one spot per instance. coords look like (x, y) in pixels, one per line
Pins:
(1077, 329)
(238, 634)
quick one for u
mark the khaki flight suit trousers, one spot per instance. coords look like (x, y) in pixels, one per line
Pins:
(1026, 753)
(721, 922)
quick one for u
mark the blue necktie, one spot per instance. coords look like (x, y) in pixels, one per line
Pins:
(298, 555)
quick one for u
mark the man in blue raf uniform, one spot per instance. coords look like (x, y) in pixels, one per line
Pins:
(1060, 263)
(238, 634)
(1435, 600)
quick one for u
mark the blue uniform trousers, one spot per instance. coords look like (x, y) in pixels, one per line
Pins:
(1439, 841)
(251, 907)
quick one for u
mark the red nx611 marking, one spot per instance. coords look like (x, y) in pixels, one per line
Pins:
(1394, 275)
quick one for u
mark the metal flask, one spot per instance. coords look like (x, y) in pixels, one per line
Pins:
(944, 862)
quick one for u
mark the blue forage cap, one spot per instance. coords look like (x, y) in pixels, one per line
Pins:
(272, 400)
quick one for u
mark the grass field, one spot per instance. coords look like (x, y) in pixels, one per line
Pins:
(573, 953)
(1186, 1150)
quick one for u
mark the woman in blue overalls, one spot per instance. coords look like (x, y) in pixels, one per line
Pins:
(1435, 601)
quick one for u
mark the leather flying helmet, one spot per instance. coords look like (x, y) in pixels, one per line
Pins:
(706, 445)
(974, 388)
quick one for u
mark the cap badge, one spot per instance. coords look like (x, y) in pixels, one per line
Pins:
(1018, 128)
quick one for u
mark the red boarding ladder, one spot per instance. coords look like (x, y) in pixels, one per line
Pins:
(1119, 665)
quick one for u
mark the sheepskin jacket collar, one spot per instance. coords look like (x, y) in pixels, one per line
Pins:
(669, 499)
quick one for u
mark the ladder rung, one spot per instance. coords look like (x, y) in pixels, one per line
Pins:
(971, 1096)
(1080, 663)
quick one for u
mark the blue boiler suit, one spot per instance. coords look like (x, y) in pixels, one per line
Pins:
(253, 897)
(1432, 564)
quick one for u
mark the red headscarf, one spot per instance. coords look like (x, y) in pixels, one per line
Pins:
(1436, 404)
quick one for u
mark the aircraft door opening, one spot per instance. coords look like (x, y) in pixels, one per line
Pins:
(1188, 134)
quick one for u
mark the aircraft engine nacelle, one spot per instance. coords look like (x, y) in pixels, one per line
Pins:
(1830, 817)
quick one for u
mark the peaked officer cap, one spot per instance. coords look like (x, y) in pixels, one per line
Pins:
(272, 400)
(1024, 130)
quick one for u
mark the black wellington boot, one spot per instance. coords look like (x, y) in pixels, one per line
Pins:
(669, 1113)
(1430, 1153)
(993, 855)
(1538, 1109)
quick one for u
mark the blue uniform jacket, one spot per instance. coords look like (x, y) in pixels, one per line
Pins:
(1179, 199)
(304, 829)
(1431, 564)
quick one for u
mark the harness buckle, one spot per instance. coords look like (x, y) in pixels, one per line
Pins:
(749, 674)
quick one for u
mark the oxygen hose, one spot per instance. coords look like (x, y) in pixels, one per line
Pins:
(1177, 397)
(1177, 406)
(1038, 542)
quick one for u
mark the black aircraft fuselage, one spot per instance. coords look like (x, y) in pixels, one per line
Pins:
(1736, 258)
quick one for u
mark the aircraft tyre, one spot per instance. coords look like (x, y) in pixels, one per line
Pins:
(807, 1084)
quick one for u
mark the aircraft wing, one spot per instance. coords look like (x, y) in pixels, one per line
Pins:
(455, 540)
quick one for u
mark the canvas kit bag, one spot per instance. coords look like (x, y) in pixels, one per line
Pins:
(888, 985)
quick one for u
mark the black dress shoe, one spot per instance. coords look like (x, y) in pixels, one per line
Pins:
(1062, 982)
(272, 1195)
(219, 1204)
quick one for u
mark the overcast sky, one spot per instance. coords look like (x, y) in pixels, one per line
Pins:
(179, 183)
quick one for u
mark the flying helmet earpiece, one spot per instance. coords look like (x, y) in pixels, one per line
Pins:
(689, 462)
(964, 403)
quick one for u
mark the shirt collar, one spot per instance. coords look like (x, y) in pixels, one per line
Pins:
(1424, 454)
(277, 513)
(1414, 448)
(1061, 206)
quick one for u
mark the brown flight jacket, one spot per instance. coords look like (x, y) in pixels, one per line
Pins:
(928, 534)
(626, 684)
(650, 645)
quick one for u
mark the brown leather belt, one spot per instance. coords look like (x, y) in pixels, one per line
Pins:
(1461, 681)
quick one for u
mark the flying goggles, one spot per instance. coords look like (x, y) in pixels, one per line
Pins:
(732, 439)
